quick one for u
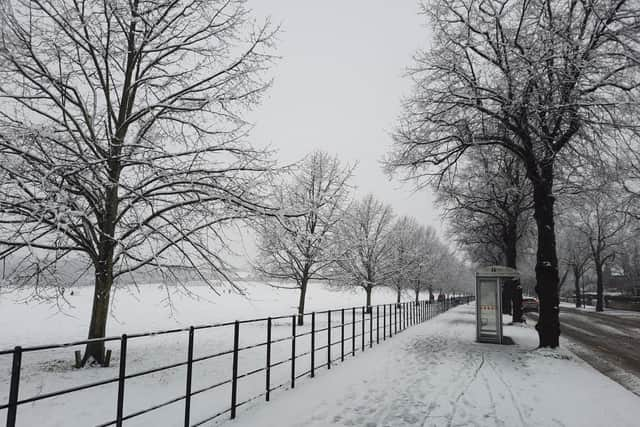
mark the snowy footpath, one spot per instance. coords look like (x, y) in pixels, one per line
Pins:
(435, 374)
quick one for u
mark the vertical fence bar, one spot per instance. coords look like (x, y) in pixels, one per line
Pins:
(329, 339)
(370, 326)
(363, 328)
(121, 374)
(234, 373)
(377, 324)
(390, 321)
(414, 307)
(404, 315)
(12, 411)
(395, 320)
(353, 331)
(268, 367)
(187, 396)
(384, 322)
(293, 351)
(313, 344)
(342, 335)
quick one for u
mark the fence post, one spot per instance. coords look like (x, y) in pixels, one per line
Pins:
(329, 339)
(384, 322)
(342, 335)
(390, 322)
(313, 344)
(187, 396)
(370, 326)
(353, 331)
(121, 375)
(15, 384)
(377, 324)
(234, 373)
(363, 328)
(395, 320)
(268, 367)
(293, 351)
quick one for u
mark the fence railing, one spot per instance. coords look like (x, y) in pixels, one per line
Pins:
(345, 332)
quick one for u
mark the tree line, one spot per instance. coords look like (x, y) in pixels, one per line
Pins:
(524, 96)
(329, 236)
(123, 151)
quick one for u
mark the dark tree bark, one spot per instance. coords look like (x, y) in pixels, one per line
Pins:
(599, 285)
(417, 295)
(547, 279)
(576, 284)
(303, 293)
(368, 289)
(398, 295)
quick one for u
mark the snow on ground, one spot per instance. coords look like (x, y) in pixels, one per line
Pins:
(435, 374)
(146, 309)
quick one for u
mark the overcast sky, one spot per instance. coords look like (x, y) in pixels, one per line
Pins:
(338, 87)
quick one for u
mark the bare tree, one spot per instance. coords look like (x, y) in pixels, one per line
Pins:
(365, 238)
(539, 79)
(433, 257)
(488, 203)
(404, 254)
(303, 247)
(598, 218)
(121, 135)
(574, 253)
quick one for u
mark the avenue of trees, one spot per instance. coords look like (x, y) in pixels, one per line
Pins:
(553, 84)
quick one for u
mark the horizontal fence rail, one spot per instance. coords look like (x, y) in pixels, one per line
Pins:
(347, 330)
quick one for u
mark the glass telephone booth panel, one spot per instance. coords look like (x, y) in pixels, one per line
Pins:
(489, 281)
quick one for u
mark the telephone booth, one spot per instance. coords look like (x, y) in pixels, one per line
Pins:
(489, 281)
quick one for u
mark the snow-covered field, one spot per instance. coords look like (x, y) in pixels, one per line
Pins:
(147, 308)
(436, 375)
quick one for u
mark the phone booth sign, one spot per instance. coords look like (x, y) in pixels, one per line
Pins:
(489, 281)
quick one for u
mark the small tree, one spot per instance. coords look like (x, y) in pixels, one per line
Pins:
(365, 239)
(303, 247)
(121, 136)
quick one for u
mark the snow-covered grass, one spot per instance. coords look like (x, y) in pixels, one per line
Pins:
(147, 308)
(435, 374)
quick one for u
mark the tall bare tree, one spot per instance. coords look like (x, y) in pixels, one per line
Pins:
(366, 258)
(537, 78)
(598, 217)
(488, 203)
(304, 246)
(404, 254)
(121, 135)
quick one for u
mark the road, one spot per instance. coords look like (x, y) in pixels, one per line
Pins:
(608, 341)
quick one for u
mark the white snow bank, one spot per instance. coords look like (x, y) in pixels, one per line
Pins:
(435, 374)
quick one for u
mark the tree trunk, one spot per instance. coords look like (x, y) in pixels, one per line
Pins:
(368, 289)
(99, 312)
(303, 294)
(417, 295)
(599, 286)
(547, 279)
(104, 269)
(576, 284)
(398, 296)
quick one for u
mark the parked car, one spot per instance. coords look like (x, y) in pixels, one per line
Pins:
(529, 304)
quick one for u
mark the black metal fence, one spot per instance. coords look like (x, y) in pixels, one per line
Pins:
(344, 332)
